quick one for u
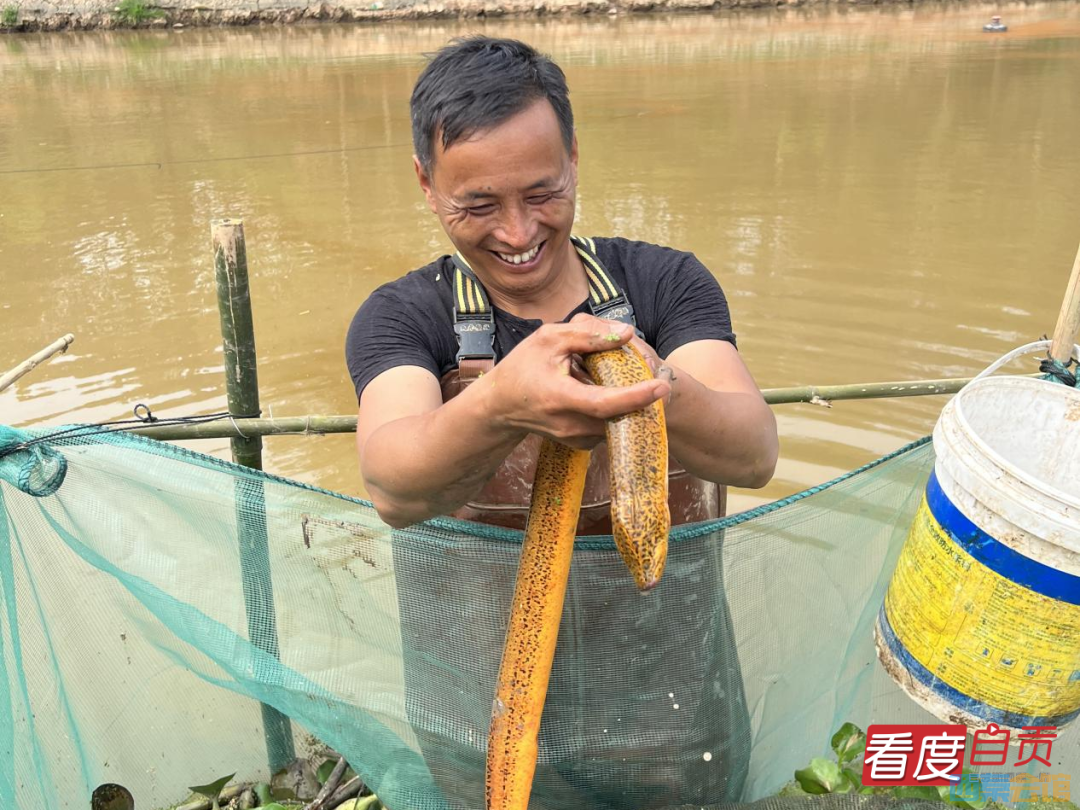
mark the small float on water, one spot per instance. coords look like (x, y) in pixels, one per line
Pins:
(995, 26)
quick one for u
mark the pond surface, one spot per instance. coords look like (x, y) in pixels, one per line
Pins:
(884, 194)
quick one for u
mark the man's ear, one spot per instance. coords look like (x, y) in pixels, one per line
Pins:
(425, 183)
(574, 157)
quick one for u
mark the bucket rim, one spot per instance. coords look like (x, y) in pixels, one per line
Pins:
(1024, 477)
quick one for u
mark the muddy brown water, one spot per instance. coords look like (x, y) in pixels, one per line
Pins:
(884, 193)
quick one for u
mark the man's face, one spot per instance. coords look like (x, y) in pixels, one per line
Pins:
(505, 197)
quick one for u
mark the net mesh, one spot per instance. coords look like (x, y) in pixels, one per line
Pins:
(154, 598)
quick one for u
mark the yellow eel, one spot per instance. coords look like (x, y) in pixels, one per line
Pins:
(534, 624)
(638, 469)
(637, 448)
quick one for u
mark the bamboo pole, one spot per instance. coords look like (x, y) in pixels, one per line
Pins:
(881, 390)
(242, 391)
(1068, 322)
(237, 333)
(226, 429)
(317, 425)
(59, 345)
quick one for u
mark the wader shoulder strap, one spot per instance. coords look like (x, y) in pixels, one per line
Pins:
(474, 323)
(474, 320)
(606, 298)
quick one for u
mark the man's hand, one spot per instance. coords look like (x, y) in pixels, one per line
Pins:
(537, 388)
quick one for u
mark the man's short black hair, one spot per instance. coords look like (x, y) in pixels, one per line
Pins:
(476, 83)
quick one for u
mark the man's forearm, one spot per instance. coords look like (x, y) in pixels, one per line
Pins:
(729, 438)
(421, 466)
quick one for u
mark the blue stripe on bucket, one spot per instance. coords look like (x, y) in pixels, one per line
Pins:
(995, 555)
(954, 696)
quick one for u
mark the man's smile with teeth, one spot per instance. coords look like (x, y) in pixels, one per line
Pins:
(519, 258)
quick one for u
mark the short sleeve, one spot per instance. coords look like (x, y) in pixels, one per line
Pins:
(690, 306)
(386, 332)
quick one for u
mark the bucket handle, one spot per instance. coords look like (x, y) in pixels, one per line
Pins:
(1029, 348)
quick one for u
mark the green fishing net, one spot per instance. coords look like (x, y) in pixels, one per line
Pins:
(154, 602)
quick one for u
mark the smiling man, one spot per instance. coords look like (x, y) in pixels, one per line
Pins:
(462, 365)
(458, 363)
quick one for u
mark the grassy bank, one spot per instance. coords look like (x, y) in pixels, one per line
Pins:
(27, 16)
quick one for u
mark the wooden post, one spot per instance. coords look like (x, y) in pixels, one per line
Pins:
(1068, 322)
(237, 333)
(242, 390)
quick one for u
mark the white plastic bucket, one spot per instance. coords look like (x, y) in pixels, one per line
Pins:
(981, 622)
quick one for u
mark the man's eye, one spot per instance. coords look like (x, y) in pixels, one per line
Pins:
(540, 199)
(481, 210)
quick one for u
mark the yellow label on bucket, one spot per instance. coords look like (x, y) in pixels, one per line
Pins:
(979, 632)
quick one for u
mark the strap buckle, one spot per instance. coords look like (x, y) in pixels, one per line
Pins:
(475, 336)
(617, 309)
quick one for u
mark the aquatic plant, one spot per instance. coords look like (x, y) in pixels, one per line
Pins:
(134, 12)
(212, 791)
(9, 17)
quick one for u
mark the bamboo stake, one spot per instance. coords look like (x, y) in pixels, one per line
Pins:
(29, 364)
(242, 390)
(237, 332)
(317, 425)
(1068, 322)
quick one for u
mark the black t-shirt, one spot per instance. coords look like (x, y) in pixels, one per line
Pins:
(410, 322)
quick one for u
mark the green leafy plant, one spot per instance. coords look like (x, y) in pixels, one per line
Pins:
(134, 12)
(279, 793)
(825, 776)
(9, 18)
(262, 792)
(266, 802)
(212, 791)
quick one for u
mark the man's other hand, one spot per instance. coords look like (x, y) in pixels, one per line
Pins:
(537, 387)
